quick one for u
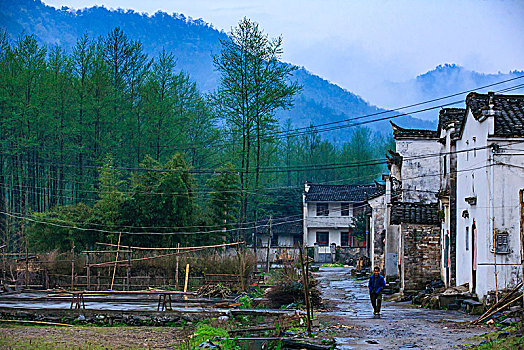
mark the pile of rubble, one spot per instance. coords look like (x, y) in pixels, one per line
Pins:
(214, 291)
(437, 296)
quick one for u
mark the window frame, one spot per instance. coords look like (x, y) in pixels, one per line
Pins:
(322, 212)
(322, 243)
(344, 208)
(502, 243)
(346, 243)
(467, 238)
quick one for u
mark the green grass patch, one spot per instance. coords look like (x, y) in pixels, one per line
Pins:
(506, 338)
(208, 334)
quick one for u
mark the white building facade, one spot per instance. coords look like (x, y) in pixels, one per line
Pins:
(329, 213)
(490, 183)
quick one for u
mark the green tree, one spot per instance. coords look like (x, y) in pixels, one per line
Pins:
(108, 209)
(253, 85)
(224, 200)
(161, 201)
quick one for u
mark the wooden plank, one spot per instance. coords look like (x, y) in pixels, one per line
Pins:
(106, 251)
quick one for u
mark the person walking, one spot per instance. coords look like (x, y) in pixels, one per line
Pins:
(376, 285)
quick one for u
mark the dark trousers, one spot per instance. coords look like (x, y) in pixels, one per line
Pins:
(376, 301)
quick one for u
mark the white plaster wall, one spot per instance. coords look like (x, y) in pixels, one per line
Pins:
(376, 223)
(334, 237)
(420, 175)
(334, 212)
(334, 223)
(285, 240)
(474, 179)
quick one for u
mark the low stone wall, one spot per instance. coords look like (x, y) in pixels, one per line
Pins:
(106, 317)
(421, 256)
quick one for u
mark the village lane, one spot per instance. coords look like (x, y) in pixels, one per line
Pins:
(349, 319)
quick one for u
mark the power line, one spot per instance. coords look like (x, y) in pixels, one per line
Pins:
(415, 104)
(310, 168)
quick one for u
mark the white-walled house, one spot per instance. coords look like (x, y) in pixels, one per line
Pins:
(490, 183)
(329, 212)
(412, 246)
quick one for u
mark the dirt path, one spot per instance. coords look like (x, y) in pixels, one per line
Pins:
(349, 319)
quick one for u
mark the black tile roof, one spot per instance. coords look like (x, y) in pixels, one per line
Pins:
(507, 109)
(293, 226)
(414, 213)
(449, 116)
(342, 193)
(402, 133)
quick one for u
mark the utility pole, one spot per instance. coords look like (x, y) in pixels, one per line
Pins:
(269, 243)
(306, 291)
(521, 197)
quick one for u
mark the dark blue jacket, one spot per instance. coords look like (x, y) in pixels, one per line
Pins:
(376, 284)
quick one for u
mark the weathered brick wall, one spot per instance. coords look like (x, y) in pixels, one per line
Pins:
(421, 255)
(377, 220)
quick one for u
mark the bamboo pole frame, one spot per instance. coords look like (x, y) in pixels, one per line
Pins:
(188, 250)
(117, 250)
(175, 249)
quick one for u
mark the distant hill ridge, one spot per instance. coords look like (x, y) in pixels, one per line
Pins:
(193, 42)
(444, 80)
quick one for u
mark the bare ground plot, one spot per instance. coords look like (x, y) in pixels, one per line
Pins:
(349, 319)
(20, 337)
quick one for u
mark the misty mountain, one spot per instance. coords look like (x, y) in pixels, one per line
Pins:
(444, 80)
(193, 42)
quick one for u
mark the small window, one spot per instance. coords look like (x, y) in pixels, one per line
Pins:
(467, 237)
(502, 242)
(445, 164)
(322, 209)
(274, 240)
(297, 240)
(344, 209)
(344, 239)
(323, 239)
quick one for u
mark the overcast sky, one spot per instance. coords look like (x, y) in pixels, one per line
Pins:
(358, 44)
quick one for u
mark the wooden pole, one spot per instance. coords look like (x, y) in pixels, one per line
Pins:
(510, 264)
(88, 272)
(307, 278)
(521, 197)
(495, 261)
(129, 271)
(503, 300)
(72, 264)
(187, 278)
(4, 272)
(26, 264)
(502, 307)
(306, 294)
(269, 243)
(176, 268)
(116, 260)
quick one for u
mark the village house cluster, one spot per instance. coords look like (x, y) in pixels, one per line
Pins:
(450, 207)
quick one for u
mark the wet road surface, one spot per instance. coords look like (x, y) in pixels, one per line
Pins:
(349, 319)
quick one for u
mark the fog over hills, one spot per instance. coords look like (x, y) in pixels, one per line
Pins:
(194, 43)
(444, 80)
